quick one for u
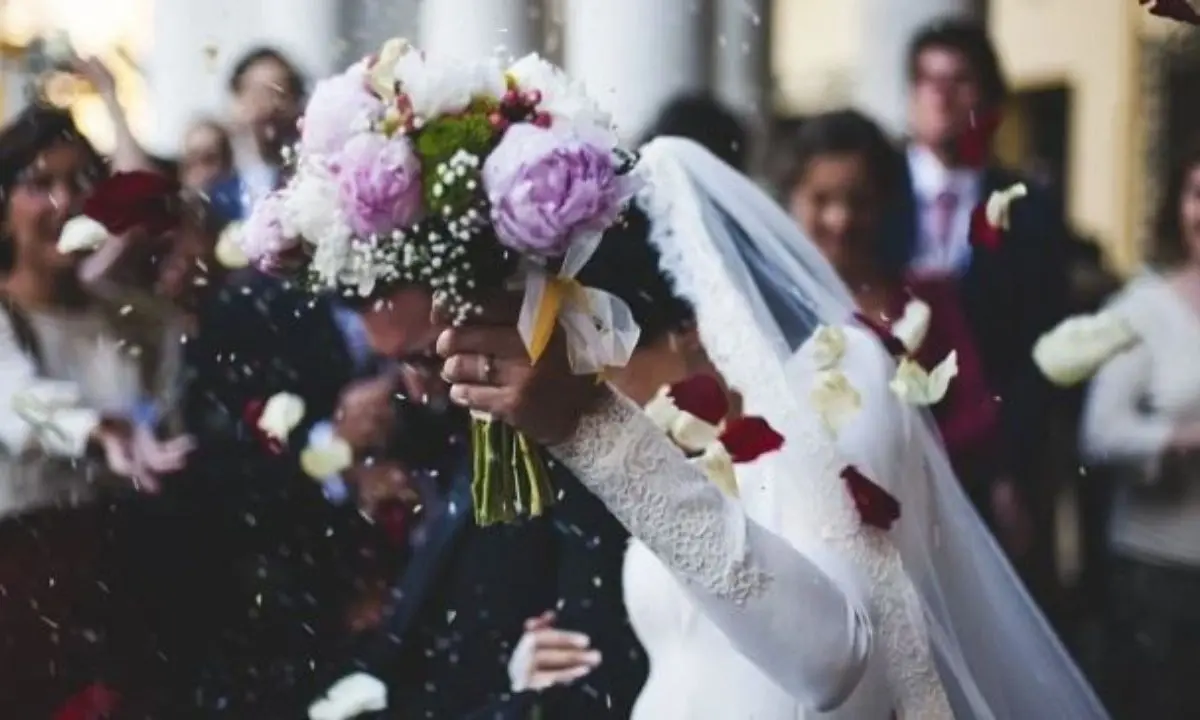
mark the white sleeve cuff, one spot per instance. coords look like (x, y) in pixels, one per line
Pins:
(66, 432)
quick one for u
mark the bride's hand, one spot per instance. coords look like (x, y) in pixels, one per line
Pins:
(545, 656)
(489, 371)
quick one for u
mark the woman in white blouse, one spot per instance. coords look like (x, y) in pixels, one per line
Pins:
(79, 375)
(1142, 421)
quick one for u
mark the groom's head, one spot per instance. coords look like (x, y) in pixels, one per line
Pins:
(399, 321)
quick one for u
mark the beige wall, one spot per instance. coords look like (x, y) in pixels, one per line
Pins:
(814, 46)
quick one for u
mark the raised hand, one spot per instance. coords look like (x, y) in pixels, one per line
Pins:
(545, 656)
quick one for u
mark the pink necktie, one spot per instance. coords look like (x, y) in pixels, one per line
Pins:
(944, 207)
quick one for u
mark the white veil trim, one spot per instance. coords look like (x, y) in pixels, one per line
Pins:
(947, 605)
(753, 358)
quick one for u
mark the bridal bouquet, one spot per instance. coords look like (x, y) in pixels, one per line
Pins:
(462, 178)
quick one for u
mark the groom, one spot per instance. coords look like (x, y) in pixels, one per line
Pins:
(461, 602)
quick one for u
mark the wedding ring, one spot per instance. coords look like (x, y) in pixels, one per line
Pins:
(489, 370)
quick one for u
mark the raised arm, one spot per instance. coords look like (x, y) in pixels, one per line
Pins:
(779, 606)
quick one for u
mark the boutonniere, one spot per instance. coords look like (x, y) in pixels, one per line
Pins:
(912, 383)
(95, 702)
(273, 420)
(832, 396)
(876, 506)
(991, 219)
(1077, 347)
(1180, 10)
(693, 413)
(350, 697)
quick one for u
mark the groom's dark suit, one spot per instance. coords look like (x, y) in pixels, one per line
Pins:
(466, 592)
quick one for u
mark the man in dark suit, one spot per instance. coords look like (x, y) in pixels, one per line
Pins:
(462, 599)
(1011, 290)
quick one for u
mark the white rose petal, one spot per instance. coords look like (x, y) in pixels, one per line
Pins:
(81, 234)
(691, 433)
(916, 387)
(662, 410)
(999, 203)
(564, 99)
(828, 347)
(438, 86)
(58, 48)
(280, 416)
(381, 75)
(717, 465)
(350, 697)
(834, 399)
(913, 325)
(1078, 346)
(229, 248)
(326, 459)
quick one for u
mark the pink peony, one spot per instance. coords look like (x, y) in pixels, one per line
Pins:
(340, 108)
(262, 236)
(379, 180)
(547, 188)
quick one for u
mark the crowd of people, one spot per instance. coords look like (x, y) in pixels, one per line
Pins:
(160, 557)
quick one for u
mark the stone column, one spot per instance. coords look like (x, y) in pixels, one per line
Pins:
(477, 28)
(741, 56)
(888, 25)
(635, 55)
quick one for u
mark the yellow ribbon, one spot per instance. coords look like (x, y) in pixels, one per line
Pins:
(559, 291)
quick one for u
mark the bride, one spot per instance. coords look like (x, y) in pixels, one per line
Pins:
(922, 618)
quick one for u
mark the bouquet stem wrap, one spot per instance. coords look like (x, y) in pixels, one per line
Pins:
(510, 477)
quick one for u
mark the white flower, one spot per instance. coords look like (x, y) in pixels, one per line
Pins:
(229, 248)
(834, 399)
(439, 86)
(326, 459)
(1076, 348)
(564, 99)
(999, 204)
(381, 73)
(691, 433)
(81, 234)
(280, 416)
(717, 464)
(916, 387)
(312, 211)
(662, 410)
(58, 48)
(828, 347)
(913, 325)
(350, 697)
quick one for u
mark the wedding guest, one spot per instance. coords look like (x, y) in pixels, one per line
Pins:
(842, 174)
(1010, 291)
(1142, 423)
(706, 120)
(207, 155)
(76, 377)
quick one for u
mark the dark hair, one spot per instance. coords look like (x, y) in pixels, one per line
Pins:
(842, 132)
(34, 130)
(628, 265)
(969, 39)
(224, 143)
(707, 121)
(295, 79)
(1167, 247)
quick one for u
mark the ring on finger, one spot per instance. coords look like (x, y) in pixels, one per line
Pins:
(488, 370)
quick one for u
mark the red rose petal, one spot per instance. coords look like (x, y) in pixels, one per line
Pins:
(876, 507)
(94, 702)
(702, 396)
(747, 438)
(983, 234)
(124, 201)
(974, 146)
(1179, 10)
(891, 343)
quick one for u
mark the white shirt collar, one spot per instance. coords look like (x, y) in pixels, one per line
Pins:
(930, 177)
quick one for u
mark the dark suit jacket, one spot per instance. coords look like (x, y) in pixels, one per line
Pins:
(465, 594)
(1009, 296)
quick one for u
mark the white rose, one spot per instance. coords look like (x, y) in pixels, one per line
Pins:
(326, 459)
(229, 249)
(440, 86)
(691, 433)
(1078, 346)
(280, 416)
(81, 234)
(999, 204)
(835, 399)
(828, 346)
(913, 325)
(564, 99)
(662, 410)
(381, 72)
(350, 697)
(916, 387)
(717, 464)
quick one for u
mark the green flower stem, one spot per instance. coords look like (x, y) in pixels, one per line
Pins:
(509, 479)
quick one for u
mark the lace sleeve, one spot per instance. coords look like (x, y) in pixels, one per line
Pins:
(779, 607)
